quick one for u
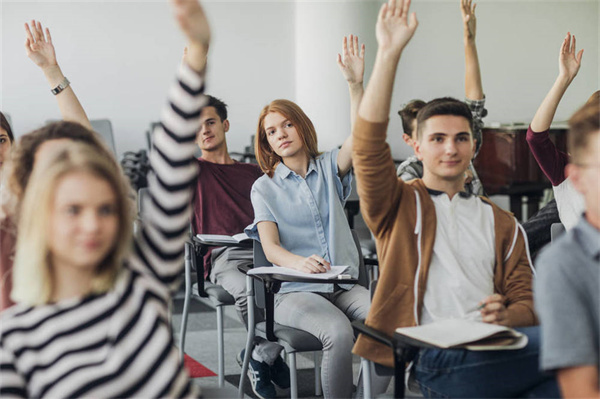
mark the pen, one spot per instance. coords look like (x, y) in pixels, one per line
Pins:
(481, 306)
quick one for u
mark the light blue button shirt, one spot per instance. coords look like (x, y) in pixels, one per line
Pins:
(309, 213)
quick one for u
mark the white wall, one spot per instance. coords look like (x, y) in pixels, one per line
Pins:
(120, 58)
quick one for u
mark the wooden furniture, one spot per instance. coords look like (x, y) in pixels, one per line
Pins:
(506, 166)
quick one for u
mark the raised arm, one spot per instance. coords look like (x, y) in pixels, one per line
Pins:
(40, 50)
(569, 63)
(549, 158)
(473, 86)
(167, 209)
(352, 66)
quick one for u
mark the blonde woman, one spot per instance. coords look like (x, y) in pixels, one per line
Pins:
(91, 313)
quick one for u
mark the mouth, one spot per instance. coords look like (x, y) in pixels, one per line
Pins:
(285, 144)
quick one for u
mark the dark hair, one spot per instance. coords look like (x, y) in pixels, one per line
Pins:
(409, 113)
(28, 145)
(443, 106)
(218, 105)
(6, 126)
(584, 124)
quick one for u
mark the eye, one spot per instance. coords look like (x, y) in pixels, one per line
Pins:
(73, 210)
(107, 210)
(463, 138)
(289, 124)
(270, 132)
(2, 140)
(437, 139)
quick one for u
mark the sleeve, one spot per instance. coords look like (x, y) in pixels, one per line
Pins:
(343, 185)
(549, 158)
(517, 284)
(410, 169)
(478, 111)
(159, 247)
(12, 384)
(379, 189)
(567, 328)
(262, 213)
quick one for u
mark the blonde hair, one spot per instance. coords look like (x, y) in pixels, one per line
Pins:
(33, 282)
(267, 158)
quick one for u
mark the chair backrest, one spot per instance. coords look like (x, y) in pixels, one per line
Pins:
(104, 128)
(260, 259)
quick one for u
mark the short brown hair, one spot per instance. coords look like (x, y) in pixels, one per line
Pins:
(443, 106)
(408, 114)
(266, 157)
(583, 125)
(23, 155)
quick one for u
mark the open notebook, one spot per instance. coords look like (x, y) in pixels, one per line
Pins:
(223, 238)
(467, 334)
(330, 274)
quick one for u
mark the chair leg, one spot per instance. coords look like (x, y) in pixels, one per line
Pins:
(365, 366)
(318, 388)
(251, 334)
(184, 320)
(220, 346)
(293, 375)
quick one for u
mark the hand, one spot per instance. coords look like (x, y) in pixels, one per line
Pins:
(312, 264)
(493, 310)
(192, 21)
(352, 64)
(393, 29)
(568, 62)
(469, 20)
(38, 46)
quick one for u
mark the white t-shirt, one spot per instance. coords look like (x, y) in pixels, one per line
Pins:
(461, 273)
(570, 203)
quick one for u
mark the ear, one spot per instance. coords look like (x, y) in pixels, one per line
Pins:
(573, 172)
(407, 139)
(417, 148)
(226, 125)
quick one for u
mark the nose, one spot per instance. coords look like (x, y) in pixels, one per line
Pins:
(450, 147)
(204, 129)
(90, 222)
(281, 134)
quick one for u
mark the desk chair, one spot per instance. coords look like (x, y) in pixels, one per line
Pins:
(195, 288)
(261, 291)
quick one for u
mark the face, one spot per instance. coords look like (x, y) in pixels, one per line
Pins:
(446, 147)
(83, 223)
(5, 146)
(585, 176)
(211, 136)
(283, 136)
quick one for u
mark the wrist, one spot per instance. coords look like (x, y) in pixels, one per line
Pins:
(196, 56)
(564, 79)
(53, 74)
(355, 86)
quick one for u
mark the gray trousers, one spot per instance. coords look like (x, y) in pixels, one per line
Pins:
(328, 317)
(225, 262)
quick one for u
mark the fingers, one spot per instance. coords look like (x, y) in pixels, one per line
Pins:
(30, 40)
(362, 51)
(339, 61)
(473, 9)
(355, 47)
(48, 37)
(345, 46)
(322, 263)
(572, 49)
(405, 8)
(579, 56)
(413, 23)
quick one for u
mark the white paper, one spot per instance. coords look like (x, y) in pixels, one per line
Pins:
(286, 271)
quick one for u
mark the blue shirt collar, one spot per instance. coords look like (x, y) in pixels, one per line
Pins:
(589, 238)
(283, 171)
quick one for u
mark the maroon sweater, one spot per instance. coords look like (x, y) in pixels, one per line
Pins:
(549, 158)
(222, 200)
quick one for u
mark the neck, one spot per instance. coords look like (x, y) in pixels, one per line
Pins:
(218, 156)
(593, 218)
(448, 186)
(297, 163)
(71, 282)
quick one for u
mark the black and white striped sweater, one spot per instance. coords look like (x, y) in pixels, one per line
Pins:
(119, 344)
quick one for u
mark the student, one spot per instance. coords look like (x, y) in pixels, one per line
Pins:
(222, 206)
(443, 253)
(568, 284)
(412, 167)
(92, 312)
(40, 50)
(300, 221)
(552, 161)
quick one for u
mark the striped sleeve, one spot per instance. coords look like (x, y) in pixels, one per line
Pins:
(167, 208)
(12, 384)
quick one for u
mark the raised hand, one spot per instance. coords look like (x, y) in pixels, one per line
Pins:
(192, 21)
(394, 29)
(568, 62)
(467, 9)
(352, 63)
(38, 46)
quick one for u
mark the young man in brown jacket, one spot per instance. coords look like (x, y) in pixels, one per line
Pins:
(443, 253)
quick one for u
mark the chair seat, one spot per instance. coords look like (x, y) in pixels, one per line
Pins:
(216, 293)
(299, 340)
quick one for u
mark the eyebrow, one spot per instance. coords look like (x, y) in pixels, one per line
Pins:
(282, 123)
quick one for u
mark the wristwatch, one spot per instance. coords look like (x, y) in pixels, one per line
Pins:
(61, 86)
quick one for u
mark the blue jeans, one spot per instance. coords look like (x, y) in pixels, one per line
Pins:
(460, 373)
